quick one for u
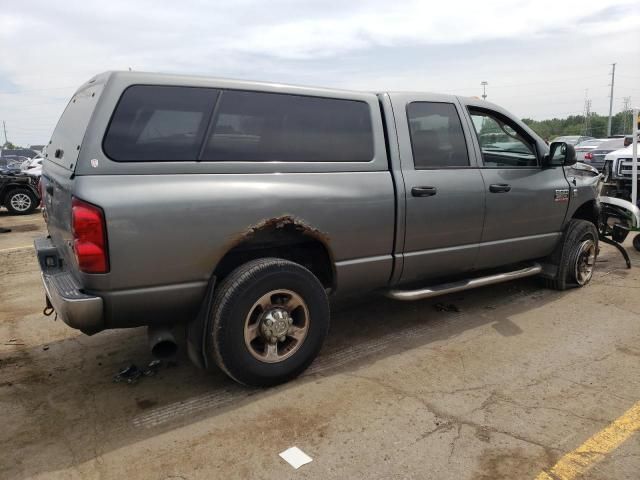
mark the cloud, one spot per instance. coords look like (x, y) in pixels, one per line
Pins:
(48, 48)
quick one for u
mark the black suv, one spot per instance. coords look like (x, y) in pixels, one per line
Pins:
(18, 192)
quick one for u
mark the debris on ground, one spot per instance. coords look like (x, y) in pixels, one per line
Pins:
(152, 368)
(13, 341)
(441, 307)
(45, 347)
(129, 374)
(132, 373)
(295, 457)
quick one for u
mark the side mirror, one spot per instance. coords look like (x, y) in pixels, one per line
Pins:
(560, 154)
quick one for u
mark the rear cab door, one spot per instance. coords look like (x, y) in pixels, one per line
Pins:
(526, 203)
(444, 189)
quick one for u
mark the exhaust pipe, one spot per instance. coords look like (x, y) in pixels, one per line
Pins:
(162, 342)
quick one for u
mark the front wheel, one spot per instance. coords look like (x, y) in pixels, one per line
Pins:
(21, 201)
(636, 242)
(269, 319)
(575, 256)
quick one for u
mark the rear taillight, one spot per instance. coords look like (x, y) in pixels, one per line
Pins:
(588, 156)
(89, 237)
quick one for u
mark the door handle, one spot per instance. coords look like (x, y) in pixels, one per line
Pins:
(424, 191)
(499, 188)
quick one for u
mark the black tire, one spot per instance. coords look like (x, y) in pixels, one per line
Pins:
(636, 242)
(15, 201)
(568, 253)
(235, 299)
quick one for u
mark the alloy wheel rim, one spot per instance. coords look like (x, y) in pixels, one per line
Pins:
(585, 261)
(21, 202)
(276, 326)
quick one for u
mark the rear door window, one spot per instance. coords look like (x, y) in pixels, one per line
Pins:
(437, 139)
(263, 127)
(159, 123)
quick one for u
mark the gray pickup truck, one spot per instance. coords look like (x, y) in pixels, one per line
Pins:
(236, 209)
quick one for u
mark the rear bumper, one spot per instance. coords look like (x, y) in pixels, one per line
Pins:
(76, 308)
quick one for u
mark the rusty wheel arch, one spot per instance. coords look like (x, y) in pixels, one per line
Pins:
(287, 237)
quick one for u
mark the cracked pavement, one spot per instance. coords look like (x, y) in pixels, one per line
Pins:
(499, 390)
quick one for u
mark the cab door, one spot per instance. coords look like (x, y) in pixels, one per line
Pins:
(445, 192)
(525, 202)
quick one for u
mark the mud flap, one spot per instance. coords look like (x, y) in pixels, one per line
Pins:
(197, 327)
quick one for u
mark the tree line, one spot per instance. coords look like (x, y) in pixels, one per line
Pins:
(594, 126)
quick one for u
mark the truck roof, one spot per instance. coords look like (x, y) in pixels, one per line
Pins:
(220, 82)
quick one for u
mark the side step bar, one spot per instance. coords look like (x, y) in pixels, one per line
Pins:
(443, 289)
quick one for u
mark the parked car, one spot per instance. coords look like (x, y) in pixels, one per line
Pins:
(587, 146)
(17, 152)
(18, 192)
(617, 172)
(595, 158)
(12, 162)
(33, 166)
(628, 140)
(572, 139)
(236, 209)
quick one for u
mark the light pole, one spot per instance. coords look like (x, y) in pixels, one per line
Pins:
(484, 89)
(634, 157)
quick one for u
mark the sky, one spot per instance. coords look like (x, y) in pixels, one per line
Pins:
(541, 58)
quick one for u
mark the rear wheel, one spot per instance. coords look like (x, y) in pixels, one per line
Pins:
(575, 256)
(269, 320)
(21, 201)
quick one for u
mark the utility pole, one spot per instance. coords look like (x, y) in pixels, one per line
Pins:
(586, 126)
(587, 117)
(4, 127)
(626, 113)
(484, 89)
(613, 78)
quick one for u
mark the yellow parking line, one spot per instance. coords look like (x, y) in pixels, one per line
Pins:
(576, 463)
